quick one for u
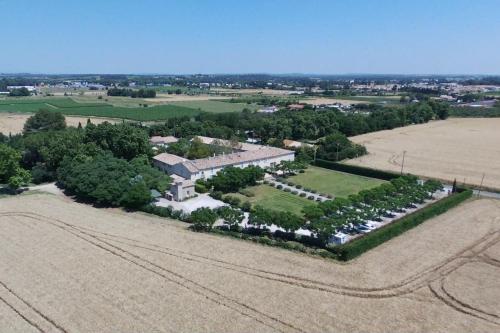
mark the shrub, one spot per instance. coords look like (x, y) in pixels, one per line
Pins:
(329, 196)
(298, 186)
(287, 189)
(368, 241)
(301, 171)
(217, 195)
(246, 206)
(313, 191)
(295, 192)
(40, 174)
(155, 210)
(311, 197)
(291, 184)
(279, 186)
(307, 189)
(203, 218)
(266, 181)
(296, 246)
(233, 201)
(200, 188)
(302, 194)
(246, 193)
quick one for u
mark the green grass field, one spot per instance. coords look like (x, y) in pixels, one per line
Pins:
(271, 198)
(118, 107)
(215, 106)
(68, 106)
(338, 184)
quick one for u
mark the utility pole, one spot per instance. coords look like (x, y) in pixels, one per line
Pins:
(403, 163)
(480, 186)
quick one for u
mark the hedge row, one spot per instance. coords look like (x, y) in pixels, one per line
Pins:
(357, 170)
(165, 212)
(369, 241)
(285, 244)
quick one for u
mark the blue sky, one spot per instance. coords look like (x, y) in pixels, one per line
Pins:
(243, 36)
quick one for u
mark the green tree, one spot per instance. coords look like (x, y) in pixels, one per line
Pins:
(10, 169)
(137, 195)
(312, 212)
(198, 149)
(123, 140)
(45, 120)
(203, 218)
(231, 216)
(22, 177)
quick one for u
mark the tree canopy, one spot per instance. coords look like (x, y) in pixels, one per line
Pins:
(107, 180)
(45, 120)
(10, 169)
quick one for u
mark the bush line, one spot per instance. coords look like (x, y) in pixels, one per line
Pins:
(358, 246)
(357, 170)
(276, 242)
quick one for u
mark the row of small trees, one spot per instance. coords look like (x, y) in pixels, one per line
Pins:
(204, 218)
(396, 196)
(141, 93)
(327, 217)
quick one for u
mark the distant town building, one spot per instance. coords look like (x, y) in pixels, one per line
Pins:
(295, 144)
(30, 88)
(162, 141)
(269, 109)
(296, 106)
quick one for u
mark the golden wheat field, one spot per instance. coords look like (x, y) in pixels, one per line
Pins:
(462, 149)
(14, 123)
(68, 267)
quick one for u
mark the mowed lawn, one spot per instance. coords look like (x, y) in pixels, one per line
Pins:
(272, 198)
(215, 106)
(336, 183)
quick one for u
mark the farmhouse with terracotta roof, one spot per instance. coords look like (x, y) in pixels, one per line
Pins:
(246, 154)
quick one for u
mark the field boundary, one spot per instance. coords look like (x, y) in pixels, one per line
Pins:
(356, 170)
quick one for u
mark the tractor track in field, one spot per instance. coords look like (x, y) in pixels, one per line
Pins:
(168, 275)
(431, 277)
(25, 317)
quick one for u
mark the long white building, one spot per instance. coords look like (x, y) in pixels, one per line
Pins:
(246, 155)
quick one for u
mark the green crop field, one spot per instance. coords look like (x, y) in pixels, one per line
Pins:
(68, 106)
(332, 182)
(215, 106)
(271, 198)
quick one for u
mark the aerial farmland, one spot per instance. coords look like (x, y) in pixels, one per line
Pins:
(250, 166)
(130, 264)
(461, 149)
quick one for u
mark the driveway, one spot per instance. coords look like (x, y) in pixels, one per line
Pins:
(190, 205)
